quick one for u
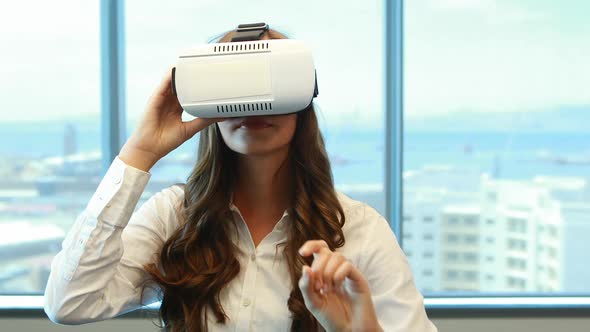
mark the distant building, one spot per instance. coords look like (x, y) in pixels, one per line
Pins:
(70, 140)
(426, 193)
(26, 252)
(502, 236)
(573, 195)
(520, 237)
(460, 248)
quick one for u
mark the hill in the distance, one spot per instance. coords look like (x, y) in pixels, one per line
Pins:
(566, 119)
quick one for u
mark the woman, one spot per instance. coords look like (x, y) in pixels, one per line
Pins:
(257, 240)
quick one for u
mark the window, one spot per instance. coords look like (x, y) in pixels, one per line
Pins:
(470, 275)
(352, 127)
(452, 221)
(52, 105)
(452, 256)
(470, 239)
(452, 238)
(516, 263)
(492, 196)
(506, 85)
(517, 225)
(517, 283)
(496, 106)
(470, 257)
(50, 132)
(517, 244)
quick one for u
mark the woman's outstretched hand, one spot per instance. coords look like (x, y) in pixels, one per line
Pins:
(161, 128)
(335, 291)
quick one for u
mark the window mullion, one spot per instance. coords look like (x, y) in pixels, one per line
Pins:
(394, 113)
(112, 59)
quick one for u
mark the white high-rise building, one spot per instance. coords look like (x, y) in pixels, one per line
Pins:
(460, 248)
(426, 193)
(520, 237)
(573, 195)
(502, 236)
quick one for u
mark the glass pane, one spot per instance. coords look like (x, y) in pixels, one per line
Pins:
(497, 145)
(348, 60)
(49, 129)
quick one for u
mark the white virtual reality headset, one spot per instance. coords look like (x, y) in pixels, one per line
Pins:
(246, 77)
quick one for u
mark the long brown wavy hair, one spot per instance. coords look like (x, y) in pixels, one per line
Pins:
(199, 258)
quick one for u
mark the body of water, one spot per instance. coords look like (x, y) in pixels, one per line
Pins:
(358, 156)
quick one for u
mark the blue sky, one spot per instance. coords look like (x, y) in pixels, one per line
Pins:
(496, 56)
(476, 55)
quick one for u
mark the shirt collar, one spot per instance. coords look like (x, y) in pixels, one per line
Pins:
(281, 224)
(233, 207)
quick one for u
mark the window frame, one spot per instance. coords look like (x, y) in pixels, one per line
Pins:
(113, 82)
(439, 304)
(113, 100)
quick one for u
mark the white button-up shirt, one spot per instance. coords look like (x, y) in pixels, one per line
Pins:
(98, 272)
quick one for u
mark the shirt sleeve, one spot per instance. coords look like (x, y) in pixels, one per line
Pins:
(398, 303)
(98, 273)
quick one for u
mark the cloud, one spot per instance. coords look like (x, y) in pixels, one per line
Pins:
(491, 11)
(461, 4)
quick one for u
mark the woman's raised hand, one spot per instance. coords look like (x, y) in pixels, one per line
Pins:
(335, 291)
(161, 129)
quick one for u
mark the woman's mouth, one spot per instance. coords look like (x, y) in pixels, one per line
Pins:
(254, 123)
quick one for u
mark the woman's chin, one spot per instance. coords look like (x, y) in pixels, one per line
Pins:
(256, 150)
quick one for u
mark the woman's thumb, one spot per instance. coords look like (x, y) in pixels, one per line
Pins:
(194, 126)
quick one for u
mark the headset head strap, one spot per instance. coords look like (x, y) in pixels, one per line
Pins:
(252, 31)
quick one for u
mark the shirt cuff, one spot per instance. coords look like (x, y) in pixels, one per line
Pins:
(118, 193)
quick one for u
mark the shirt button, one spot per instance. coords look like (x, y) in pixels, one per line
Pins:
(246, 302)
(116, 179)
(253, 257)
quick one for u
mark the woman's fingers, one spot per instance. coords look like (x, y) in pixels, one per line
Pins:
(320, 259)
(312, 246)
(341, 273)
(306, 281)
(334, 262)
(357, 281)
(194, 126)
(312, 298)
(165, 87)
(163, 98)
(319, 249)
(325, 265)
